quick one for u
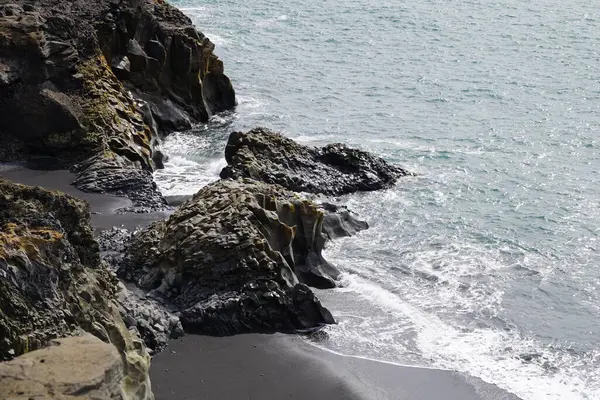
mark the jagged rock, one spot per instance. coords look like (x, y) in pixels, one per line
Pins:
(81, 367)
(113, 175)
(332, 170)
(152, 320)
(81, 83)
(235, 256)
(53, 282)
(113, 243)
(169, 117)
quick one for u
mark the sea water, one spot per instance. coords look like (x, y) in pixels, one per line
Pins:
(488, 261)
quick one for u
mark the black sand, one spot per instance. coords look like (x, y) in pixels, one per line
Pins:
(102, 206)
(273, 367)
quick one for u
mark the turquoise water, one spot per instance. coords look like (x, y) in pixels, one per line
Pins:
(488, 262)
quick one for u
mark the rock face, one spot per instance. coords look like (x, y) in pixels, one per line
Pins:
(73, 368)
(236, 257)
(155, 324)
(335, 169)
(91, 85)
(53, 283)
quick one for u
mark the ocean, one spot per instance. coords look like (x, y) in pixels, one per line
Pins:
(488, 261)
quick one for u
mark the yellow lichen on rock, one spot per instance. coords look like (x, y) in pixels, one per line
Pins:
(110, 116)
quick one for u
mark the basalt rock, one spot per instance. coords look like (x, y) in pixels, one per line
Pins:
(335, 169)
(81, 367)
(53, 283)
(236, 258)
(155, 324)
(93, 85)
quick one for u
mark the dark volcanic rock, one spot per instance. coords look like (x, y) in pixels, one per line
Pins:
(53, 283)
(92, 85)
(235, 256)
(332, 170)
(155, 324)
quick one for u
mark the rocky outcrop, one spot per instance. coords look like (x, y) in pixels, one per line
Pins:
(236, 258)
(53, 283)
(92, 85)
(335, 169)
(73, 368)
(155, 324)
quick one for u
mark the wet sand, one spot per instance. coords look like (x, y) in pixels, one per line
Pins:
(274, 367)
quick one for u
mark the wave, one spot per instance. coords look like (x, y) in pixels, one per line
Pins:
(514, 362)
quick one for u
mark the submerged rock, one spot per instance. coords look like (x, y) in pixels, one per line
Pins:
(92, 85)
(335, 169)
(235, 257)
(53, 283)
(78, 367)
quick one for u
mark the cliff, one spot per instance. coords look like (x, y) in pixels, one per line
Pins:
(94, 85)
(53, 283)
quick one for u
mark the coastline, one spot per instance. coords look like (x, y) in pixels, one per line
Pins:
(265, 366)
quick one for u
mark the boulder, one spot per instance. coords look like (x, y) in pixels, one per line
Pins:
(335, 169)
(236, 257)
(53, 282)
(81, 367)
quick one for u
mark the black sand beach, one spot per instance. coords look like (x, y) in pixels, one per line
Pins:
(260, 366)
(278, 366)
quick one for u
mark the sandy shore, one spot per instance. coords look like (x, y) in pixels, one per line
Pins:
(102, 206)
(274, 367)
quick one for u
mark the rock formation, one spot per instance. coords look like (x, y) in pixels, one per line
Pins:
(236, 257)
(335, 169)
(92, 85)
(53, 283)
(81, 367)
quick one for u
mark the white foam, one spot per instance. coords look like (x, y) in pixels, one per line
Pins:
(487, 353)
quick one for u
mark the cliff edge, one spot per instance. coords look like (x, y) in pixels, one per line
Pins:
(93, 86)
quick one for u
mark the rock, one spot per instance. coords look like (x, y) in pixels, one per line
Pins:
(77, 76)
(218, 92)
(155, 324)
(169, 117)
(335, 169)
(102, 174)
(137, 56)
(81, 367)
(235, 256)
(53, 282)
(121, 66)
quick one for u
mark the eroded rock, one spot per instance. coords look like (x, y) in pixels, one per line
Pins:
(335, 169)
(235, 257)
(81, 367)
(53, 283)
(92, 85)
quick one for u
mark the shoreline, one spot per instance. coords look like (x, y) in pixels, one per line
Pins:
(265, 366)
(102, 206)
